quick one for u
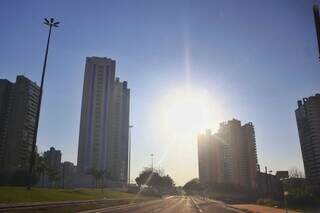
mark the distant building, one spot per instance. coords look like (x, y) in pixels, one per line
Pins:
(18, 109)
(229, 156)
(104, 123)
(68, 174)
(269, 186)
(282, 175)
(53, 159)
(308, 122)
(69, 169)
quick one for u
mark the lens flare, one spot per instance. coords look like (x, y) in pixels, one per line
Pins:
(186, 112)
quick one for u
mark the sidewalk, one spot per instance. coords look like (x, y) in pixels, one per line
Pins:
(261, 209)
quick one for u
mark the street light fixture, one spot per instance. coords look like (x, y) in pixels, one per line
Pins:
(51, 23)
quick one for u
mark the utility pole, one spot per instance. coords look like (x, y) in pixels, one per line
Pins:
(267, 182)
(271, 184)
(51, 24)
(63, 175)
(151, 162)
(317, 24)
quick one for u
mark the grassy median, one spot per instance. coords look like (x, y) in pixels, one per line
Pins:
(22, 195)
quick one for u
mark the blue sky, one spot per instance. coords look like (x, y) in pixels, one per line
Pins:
(255, 59)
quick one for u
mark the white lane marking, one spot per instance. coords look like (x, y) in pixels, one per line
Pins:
(196, 205)
(168, 197)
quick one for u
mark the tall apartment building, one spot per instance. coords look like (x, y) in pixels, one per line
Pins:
(230, 132)
(249, 157)
(211, 158)
(104, 124)
(18, 107)
(118, 147)
(53, 159)
(308, 122)
(229, 156)
(5, 91)
(68, 174)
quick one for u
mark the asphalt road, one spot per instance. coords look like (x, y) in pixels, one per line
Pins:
(174, 204)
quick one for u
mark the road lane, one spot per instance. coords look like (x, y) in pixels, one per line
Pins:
(174, 204)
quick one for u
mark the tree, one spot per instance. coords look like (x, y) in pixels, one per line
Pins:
(53, 176)
(166, 183)
(193, 185)
(41, 168)
(145, 177)
(155, 179)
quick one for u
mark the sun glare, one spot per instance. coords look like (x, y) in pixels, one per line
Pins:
(187, 112)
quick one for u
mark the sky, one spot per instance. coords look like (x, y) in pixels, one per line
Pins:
(250, 60)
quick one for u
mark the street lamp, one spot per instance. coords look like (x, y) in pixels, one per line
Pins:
(152, 161)
(129, 154)
(271, 183)
(51, 23)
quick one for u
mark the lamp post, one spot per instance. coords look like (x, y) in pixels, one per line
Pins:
(317, 24)
(271, 184)
(51, 23)
(285, 193)
(129, 154)
(152, 161)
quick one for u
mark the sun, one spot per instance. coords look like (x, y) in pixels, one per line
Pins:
(186, 112)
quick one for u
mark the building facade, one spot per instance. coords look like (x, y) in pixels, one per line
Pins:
(249, 158)
(269, 186)
(229, 156)
(104, 123)
(211, 158)
(308, 123)
(18, 107)
(68, 174)
(52, 158)
(117, 161)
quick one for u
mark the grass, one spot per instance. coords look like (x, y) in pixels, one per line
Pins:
(77, 208)
(22, 195)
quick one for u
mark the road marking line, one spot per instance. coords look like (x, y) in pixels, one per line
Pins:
(196, 205)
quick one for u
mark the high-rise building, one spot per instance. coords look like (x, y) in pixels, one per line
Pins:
(68, 174)
(117, 163)
(211, 158)
(53, 159)
(18, 107)
(249, 157)
(5, 92)
(68, 170)
(308, 122)
(229, 156)
(231, 134)
(104, 124)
